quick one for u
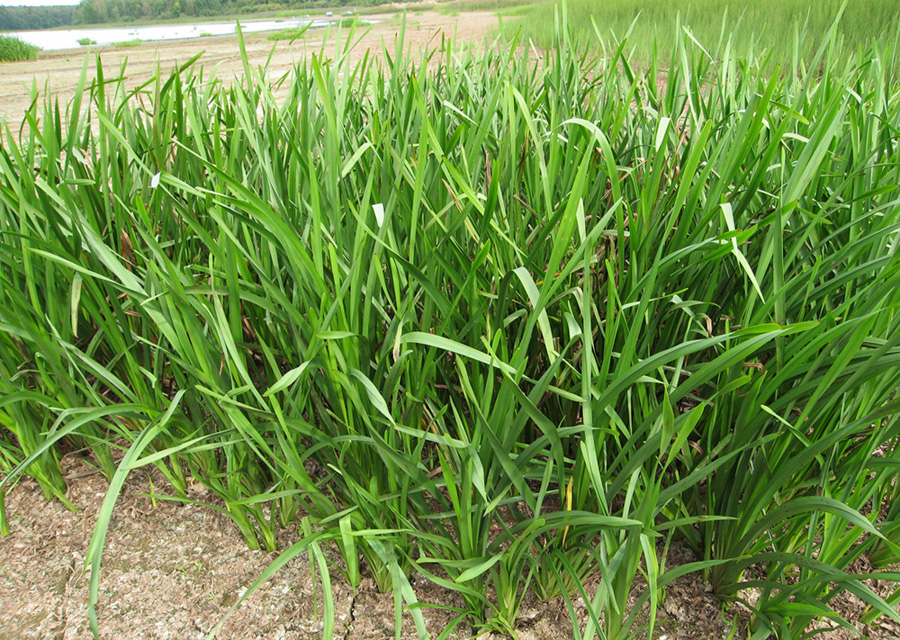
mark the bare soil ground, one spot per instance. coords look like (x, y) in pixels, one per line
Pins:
(171, 571)
(58, 72)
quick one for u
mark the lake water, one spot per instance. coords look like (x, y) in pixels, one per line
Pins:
(68, 38)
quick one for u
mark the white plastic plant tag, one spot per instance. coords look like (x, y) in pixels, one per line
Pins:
(379, 213)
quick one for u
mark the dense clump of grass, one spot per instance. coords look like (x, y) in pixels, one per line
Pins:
(295, 33)
(784, 29)
(503, 322)
(287, 34)
(13, 50)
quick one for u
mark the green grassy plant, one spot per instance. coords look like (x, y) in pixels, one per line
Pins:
(287, 34)
(783, 29)
(504, 321)
(12, 49)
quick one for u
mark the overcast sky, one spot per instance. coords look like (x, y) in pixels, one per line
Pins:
(35, 3)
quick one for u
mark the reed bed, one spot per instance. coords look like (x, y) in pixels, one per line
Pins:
(503, 320)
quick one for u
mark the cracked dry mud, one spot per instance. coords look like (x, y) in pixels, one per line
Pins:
(172, 571)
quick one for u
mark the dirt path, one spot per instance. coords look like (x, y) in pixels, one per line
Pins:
(58, 72)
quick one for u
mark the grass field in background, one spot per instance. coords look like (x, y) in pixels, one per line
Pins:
(12, 49)
(502, 322)
(776, 26)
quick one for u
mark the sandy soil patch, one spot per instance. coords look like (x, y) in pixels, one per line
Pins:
(57, 72)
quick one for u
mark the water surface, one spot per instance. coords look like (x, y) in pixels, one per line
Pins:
(68, 38)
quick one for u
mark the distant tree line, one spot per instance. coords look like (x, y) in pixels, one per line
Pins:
(99, 11)
(35, 18)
